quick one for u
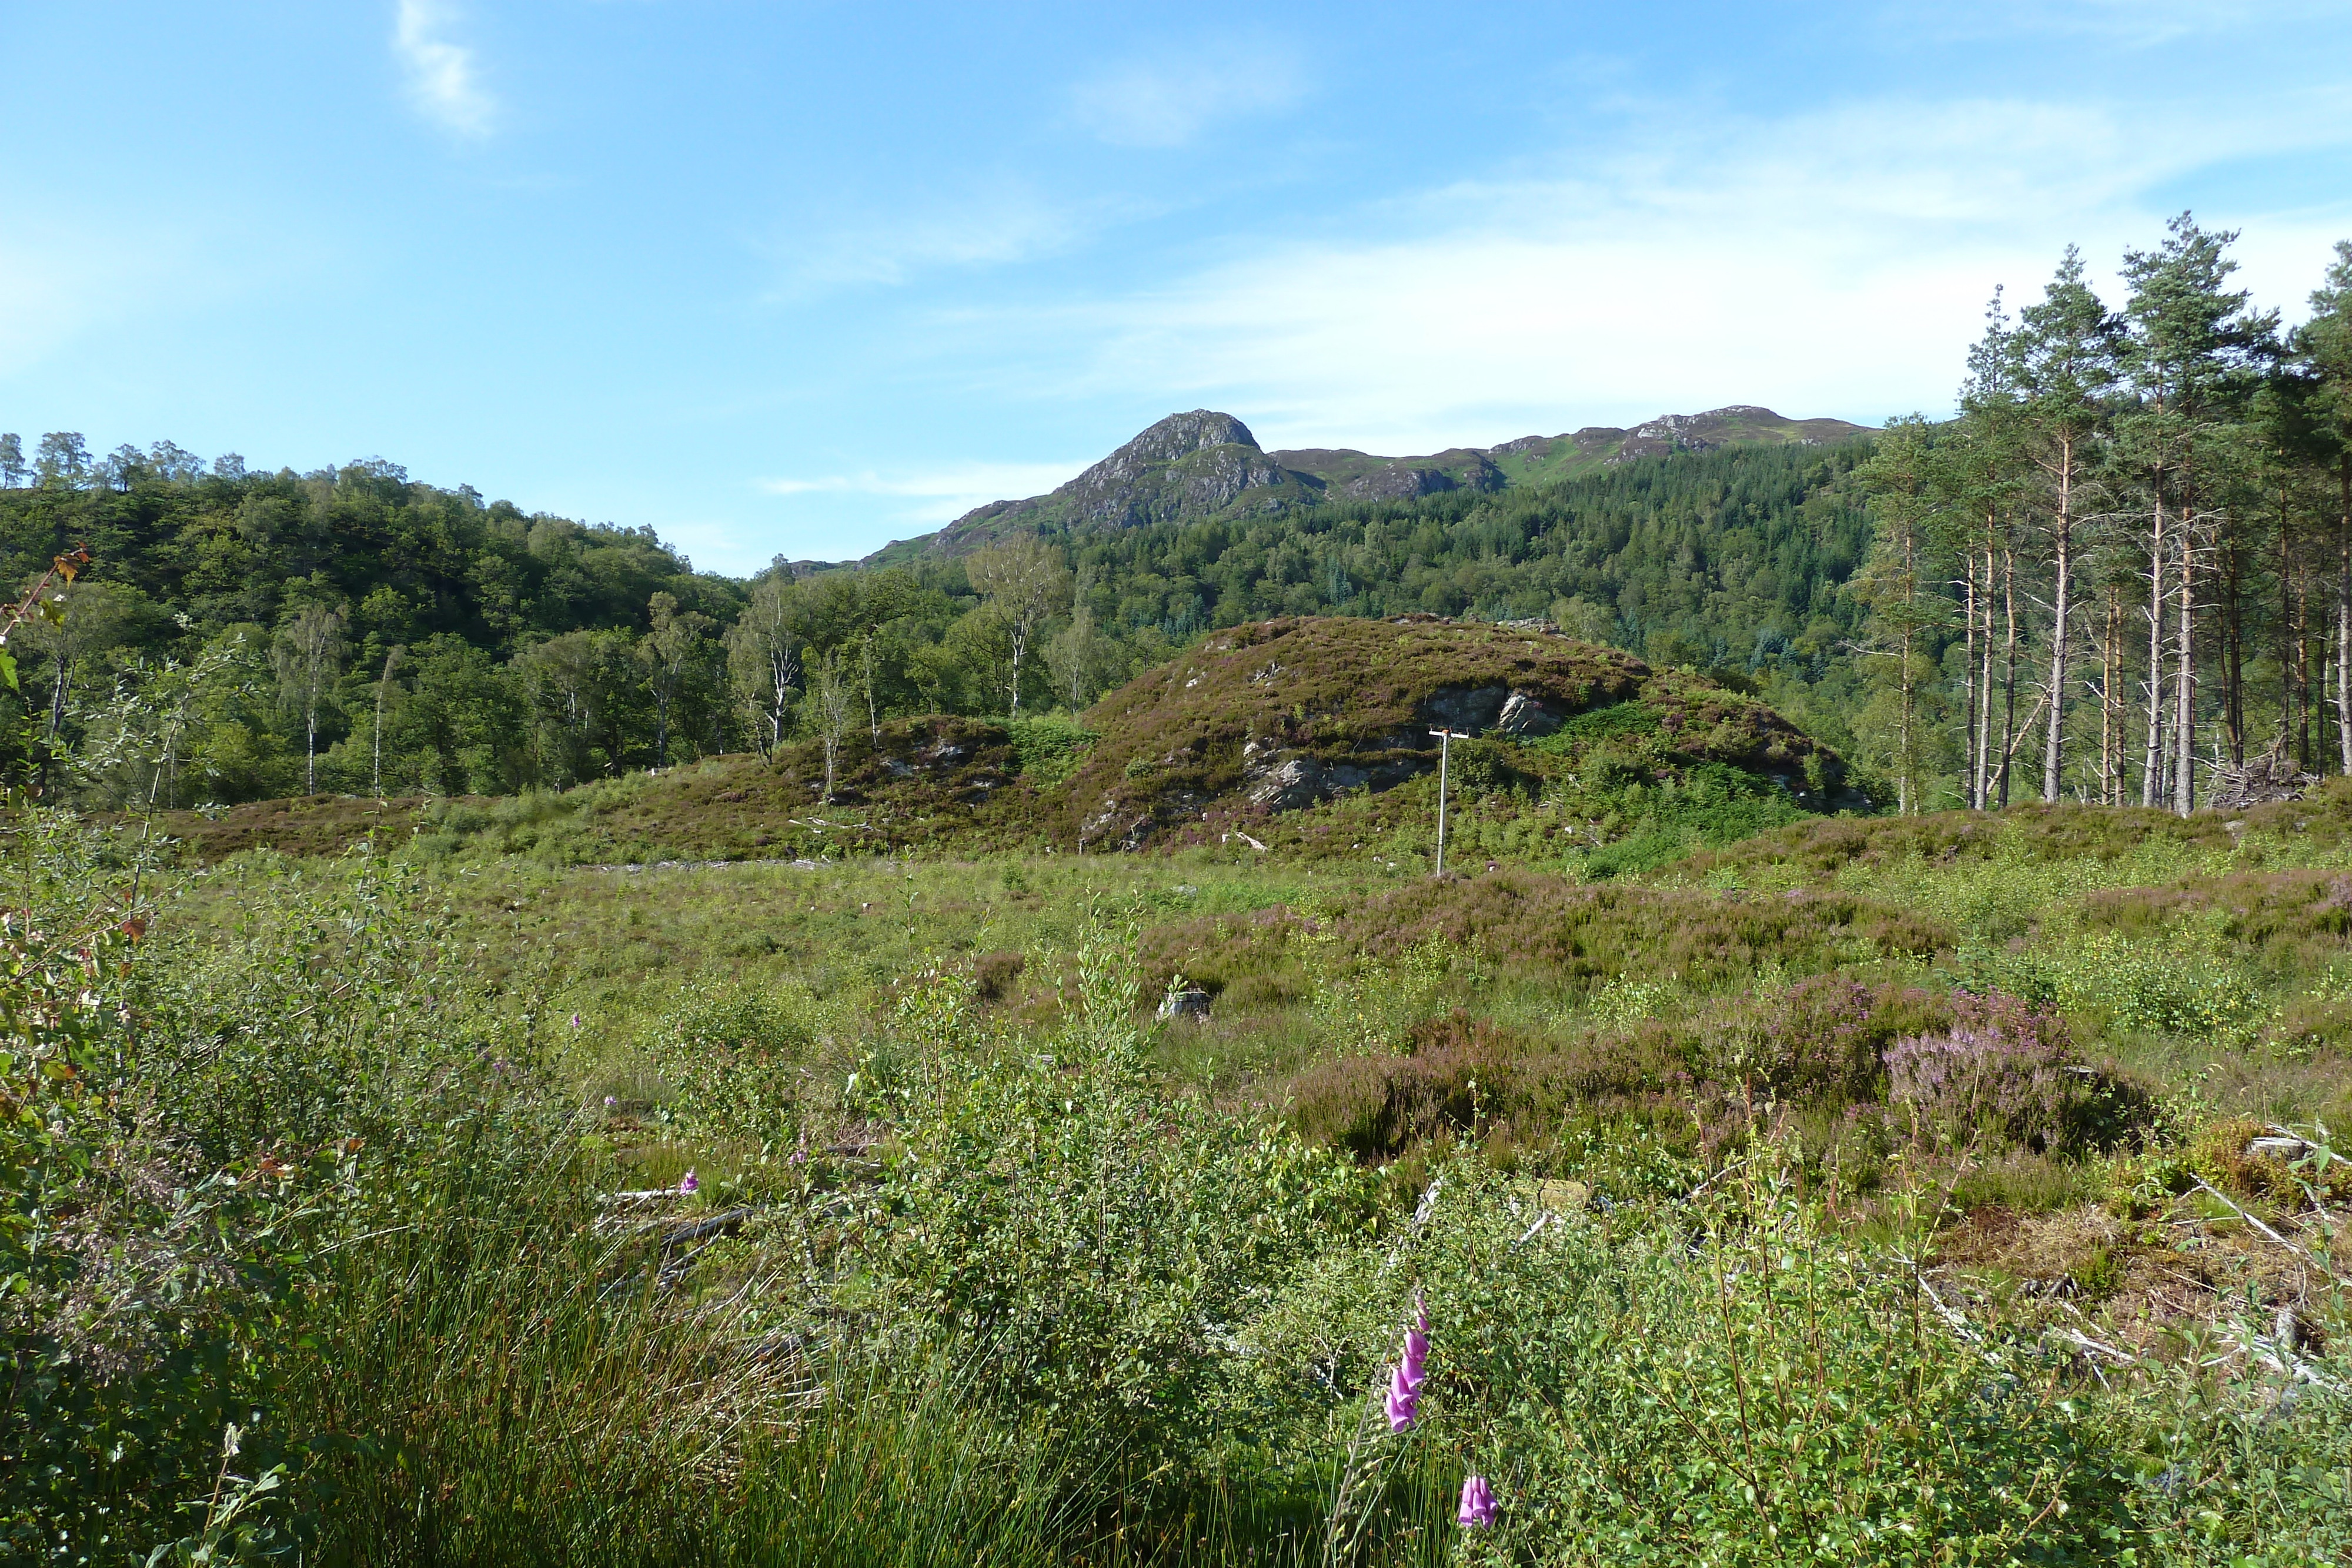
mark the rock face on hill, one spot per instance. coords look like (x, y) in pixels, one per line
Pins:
(1205, 464)
(1281, 714)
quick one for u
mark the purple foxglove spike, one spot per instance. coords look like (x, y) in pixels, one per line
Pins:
(1420, 1313)
(1416, 1356)
(1402, 1406)
(1478, 1503)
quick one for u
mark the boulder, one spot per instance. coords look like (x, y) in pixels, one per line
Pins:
(1192, 1003)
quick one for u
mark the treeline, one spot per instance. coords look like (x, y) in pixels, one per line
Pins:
(240, 636)
(244, 635)
(2124, 573)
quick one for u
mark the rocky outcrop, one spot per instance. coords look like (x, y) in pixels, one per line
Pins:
(1525, 715)
(1202, 463)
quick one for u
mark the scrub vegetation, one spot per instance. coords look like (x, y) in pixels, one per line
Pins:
(975, 1060)
(1922, 1205)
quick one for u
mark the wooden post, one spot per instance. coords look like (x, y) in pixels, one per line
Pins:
(1444, 742)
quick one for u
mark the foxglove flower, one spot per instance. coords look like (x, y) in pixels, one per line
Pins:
(686, 1184)
(1403, 1402)
(1478, 1503)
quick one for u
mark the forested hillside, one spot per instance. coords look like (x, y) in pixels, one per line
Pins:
(377, 634)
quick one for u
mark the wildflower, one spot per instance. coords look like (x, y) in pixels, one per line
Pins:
(686, 1184)
(610, 1100)
(1403, 1401)
(576, 1020)
(1478, 1503)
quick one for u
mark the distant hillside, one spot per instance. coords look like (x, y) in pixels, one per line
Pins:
(1203, 464)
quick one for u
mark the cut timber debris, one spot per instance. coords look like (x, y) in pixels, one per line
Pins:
(2259, 781)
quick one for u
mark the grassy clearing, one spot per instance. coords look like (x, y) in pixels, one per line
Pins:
(1906, 1200)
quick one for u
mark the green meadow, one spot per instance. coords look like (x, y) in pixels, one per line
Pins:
(1945, 1189)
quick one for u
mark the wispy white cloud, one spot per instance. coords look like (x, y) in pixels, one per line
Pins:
(1830, 262)
(68, 277)
(939, 494)
(56, 286)
(1172, 102)
(442, 82)
(2124, 23)
(999, 224)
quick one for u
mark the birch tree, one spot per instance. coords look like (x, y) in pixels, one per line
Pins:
(1025, 580)
(308, 658)
(764, 662)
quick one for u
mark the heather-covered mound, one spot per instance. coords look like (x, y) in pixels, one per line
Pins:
(1271, 717)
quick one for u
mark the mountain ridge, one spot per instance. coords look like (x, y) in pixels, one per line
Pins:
(1203, 463)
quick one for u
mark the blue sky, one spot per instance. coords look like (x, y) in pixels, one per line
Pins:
(801, 278)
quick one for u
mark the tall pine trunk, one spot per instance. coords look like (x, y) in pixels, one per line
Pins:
(1969, 734)
(2062, 544)
(2344, 614)
(2233, 689)
(2008, 669)
(2111, 704)
(1984, 685)
(2147, 780)
(2184, 684)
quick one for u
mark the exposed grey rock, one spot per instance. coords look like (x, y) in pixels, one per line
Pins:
(1301, 781)
(1524, 714)
(1465, 708)
(1190, 1003)
(1201, 462)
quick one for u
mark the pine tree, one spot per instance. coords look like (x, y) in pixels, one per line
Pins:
(2063, 369)
(2189, 358)
(2324, 346)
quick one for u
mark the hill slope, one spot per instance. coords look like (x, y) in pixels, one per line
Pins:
(1205, 464)
(1308, 734)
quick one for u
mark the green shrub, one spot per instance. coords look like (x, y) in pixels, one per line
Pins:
(1049, 748)
(1093, 1241)
(732, 1056)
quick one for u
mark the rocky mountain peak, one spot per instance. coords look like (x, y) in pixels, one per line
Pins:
(1203, 462)
(1181, 435)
